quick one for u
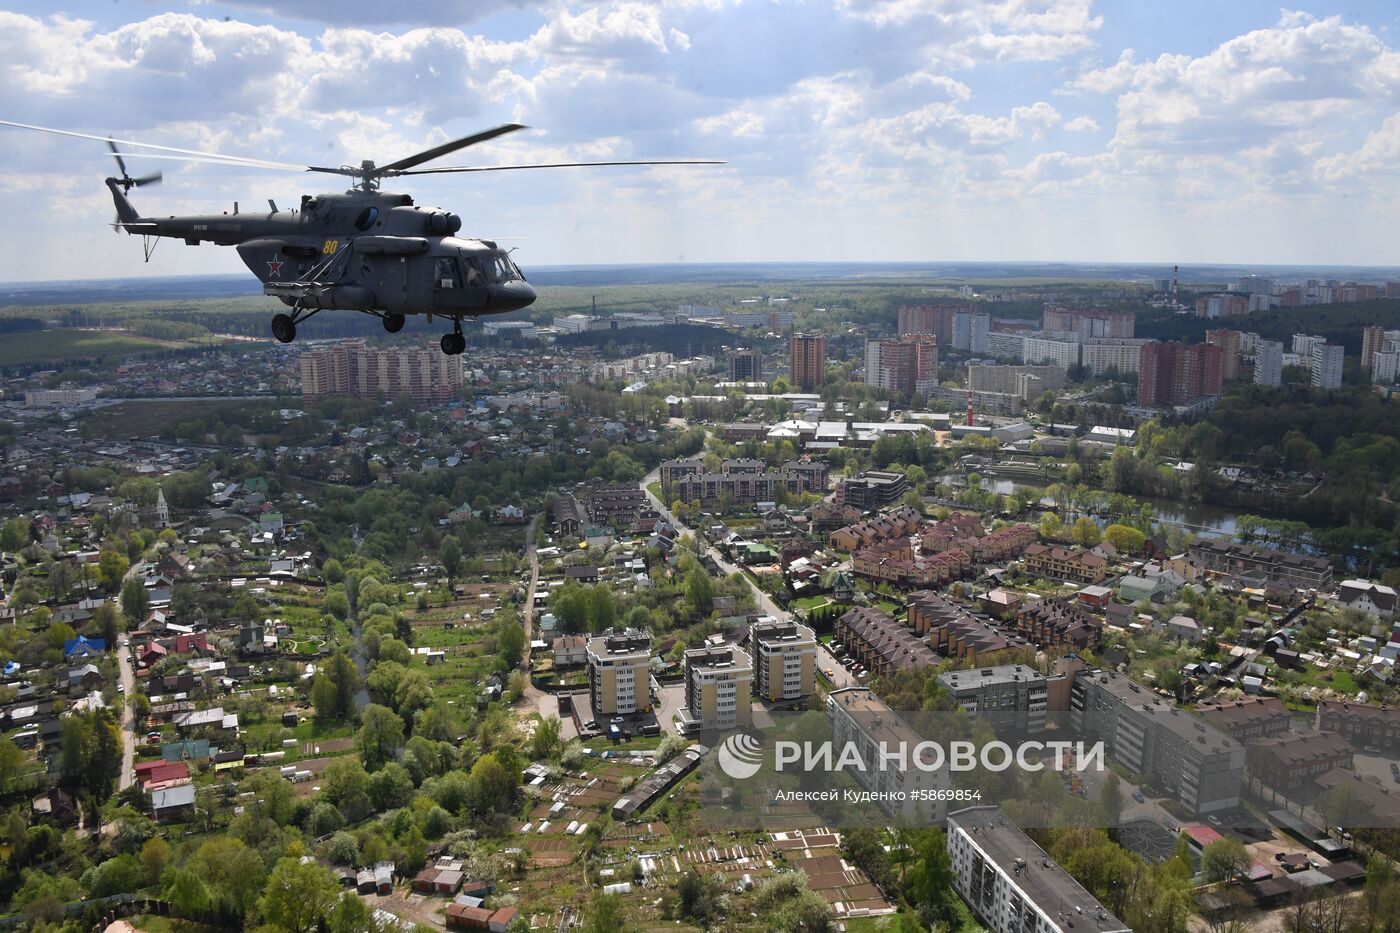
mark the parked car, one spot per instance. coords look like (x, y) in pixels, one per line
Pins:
(1137, 795)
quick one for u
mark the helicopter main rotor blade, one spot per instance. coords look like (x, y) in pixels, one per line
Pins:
(514, 168)
(427, 155)
(209, 156)
(116, 155)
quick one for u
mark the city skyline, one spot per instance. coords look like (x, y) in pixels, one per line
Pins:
(1060, 130)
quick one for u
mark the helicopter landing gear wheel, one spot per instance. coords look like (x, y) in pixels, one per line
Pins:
(453, 344)
(393, 323)
(284, 328)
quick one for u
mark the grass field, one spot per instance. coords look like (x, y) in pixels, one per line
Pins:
(53, 346)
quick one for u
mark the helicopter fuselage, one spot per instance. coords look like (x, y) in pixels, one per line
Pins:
(364, 251)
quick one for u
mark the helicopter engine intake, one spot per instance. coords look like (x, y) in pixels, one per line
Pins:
(443, 224)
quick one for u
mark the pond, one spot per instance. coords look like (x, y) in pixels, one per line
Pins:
(1212, 520)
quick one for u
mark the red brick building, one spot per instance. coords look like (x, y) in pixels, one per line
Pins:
(1173, 373)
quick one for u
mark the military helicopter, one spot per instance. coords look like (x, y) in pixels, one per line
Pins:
(365, 250)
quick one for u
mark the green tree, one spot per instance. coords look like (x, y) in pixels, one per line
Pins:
(928, 883)
(1225, 860)
(545, 742)
(699, 591)
(451, 556)
(1126, 539)
(381, 735)
(332, 571)
(188, 893)
(111, 567)
(1085, 532)
(323, 697)
(155, 855)
(108, 623)
(701, 897)
(135, 600)
(346, 677)
(390, 787)
(233, 872)
(510, 641)
(604, 914)
(14, 534)
(337, 604)
(343, 849)
(1111, 799)
(11, 761)
(298, 895)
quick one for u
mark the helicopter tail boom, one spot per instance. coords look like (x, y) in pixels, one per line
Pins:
(126, 214)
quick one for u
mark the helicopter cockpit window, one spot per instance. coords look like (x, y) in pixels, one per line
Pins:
(367, 218)
(444, 273)
(499, 268)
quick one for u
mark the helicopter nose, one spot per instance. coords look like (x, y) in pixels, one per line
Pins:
(511, 296)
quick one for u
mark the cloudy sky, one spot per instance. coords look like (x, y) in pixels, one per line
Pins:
(1130, 130)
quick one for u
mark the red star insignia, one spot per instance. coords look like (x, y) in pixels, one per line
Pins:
(274, 268)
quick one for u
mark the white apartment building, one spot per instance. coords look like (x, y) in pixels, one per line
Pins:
(1385, 368)
(970, 330)
(1012, 885)
(1268, 363)
(1043, 351)
(1326, 365)
(1101, 355)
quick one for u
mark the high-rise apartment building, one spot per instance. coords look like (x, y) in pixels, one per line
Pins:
(900, 365)
(718, 688)
(1120, 355)
(1012, 884)
(1326, 366)
(746, 366)
(970, 331)
(1303, 344)
(1268, 363)
(1009, 696)
(351, 368)
(808, 361)
(1086, 323)
(1372, 342)
(619, 673)
(1026, 382)
(1173, 373)
(936, 320)
(862, 721)
(784, 656)
(1385, 367)
(1190, 759)
(1229, 343)
(1045, 351)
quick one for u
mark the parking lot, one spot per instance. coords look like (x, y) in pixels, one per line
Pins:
(841, 670)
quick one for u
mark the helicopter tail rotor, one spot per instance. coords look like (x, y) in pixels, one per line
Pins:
(126, 181)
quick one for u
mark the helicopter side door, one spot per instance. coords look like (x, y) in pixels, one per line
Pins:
(387, 277)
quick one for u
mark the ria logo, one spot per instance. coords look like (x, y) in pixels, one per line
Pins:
(740, 756)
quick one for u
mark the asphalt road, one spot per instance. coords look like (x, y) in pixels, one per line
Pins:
(128, 678)
(840, 677)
